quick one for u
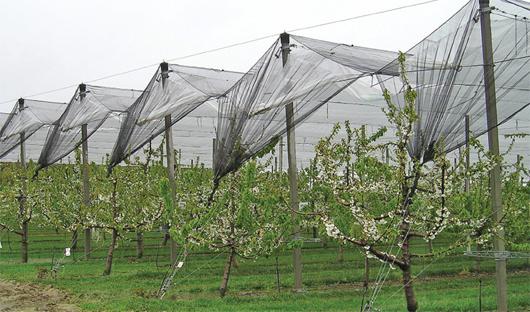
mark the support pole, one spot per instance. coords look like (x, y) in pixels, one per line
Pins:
(518, 163)
(22, 138)
(22, 200)
(466, 181)
(280, 156)
(84, 172)
(170, 157)
(468, 149)
(213, 151)
(493, 142)
(161, 154)
(293, 175)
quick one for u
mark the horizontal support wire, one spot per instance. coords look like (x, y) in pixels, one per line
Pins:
(498, 255)
(229, 46)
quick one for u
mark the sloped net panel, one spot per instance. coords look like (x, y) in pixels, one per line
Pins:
(360, 104)
(183, 90)
(95, 107)
(252, 113)
(446, 70)
(33, 116)
(3, 119)
(193, 135)
(33, 144)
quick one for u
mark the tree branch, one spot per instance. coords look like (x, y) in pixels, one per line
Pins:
(5, 227)
(379, 254)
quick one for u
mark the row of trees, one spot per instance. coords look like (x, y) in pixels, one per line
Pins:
(371, 203)
(352, 196)
(127, 200)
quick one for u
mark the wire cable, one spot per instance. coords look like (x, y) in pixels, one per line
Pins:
(231, 46)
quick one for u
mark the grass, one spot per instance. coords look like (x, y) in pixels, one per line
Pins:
(445, 284)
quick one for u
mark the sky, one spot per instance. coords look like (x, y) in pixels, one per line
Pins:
(57, 44)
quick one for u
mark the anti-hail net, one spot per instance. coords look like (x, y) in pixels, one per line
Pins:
(3, 119)
(28, 119)
(100, 108)
(184, 89)
(446, 70)
(252, 113)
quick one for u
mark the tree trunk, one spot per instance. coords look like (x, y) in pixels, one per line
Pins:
(277, 273)
(139, 244)
(226, 273)
(340, 256)
(74, 240)
(110, 254)
(172, 250)
(477, 261)
(166, 235)
(430, 246)
(366, 272)
(88, 242)
(412, 304)
(24, 241)
(235, 264)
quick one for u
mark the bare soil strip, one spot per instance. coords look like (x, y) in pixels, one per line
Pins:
(30, 297)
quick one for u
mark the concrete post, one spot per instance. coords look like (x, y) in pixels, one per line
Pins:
(493, 142)
(293, 174)
(170, 158)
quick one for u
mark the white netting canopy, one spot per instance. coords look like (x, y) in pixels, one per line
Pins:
(247, 112)
(446, 70)
(182, 90)
(97, 107)
(27, 117)
(252, 113)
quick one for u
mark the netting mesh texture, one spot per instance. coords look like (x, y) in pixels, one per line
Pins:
(178, 93)
(27, 119)
(96, 107)
(446, 70)
(252, 113)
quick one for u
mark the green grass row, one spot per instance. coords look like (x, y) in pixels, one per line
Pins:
(444, 284)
